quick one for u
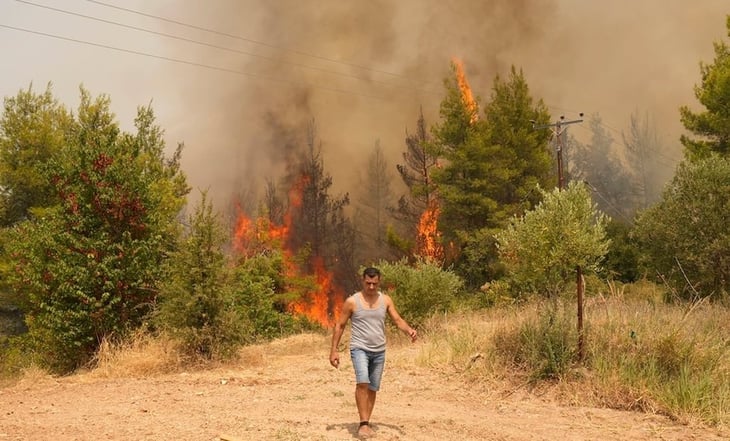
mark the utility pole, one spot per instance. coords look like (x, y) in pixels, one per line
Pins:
(558, 128)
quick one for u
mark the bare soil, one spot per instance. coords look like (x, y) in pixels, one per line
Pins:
(286, 390)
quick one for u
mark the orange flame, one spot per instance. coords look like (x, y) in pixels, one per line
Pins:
(466, 96)
(322, 304)
(429, 238)
(251, 238)
(317, 305)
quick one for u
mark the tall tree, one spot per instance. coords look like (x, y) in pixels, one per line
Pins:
(89, 268)
(319, 226)
(33, 128)
(491, 169)
(712, 126)
(643, 146)
(493, 164)
(375, 195)
(417, 170)
(416, 173)
(312, 206)
(598, 165)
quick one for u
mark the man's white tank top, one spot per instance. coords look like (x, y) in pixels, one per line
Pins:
(368, 325)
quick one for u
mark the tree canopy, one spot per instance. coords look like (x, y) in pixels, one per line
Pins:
(88, 267)
(712, 125)
(491, 166)
(541, 249)
(685, 238)
(33, 127)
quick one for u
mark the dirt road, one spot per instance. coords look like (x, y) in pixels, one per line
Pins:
(287, 391)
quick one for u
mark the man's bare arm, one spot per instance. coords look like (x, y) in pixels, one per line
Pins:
(345, 314)
(399, 321)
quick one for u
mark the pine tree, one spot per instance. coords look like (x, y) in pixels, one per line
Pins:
(645, 152)
(492, 167)
(416, 174)
(319, 227)
(712, 126)
(597, 164)
(372, 216)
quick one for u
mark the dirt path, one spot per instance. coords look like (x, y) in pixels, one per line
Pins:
(287, 391)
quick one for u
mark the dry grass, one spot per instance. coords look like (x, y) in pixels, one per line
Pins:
(642, 355)
(141, 355)
(144, 355)
(29, 377)
(672, 359)
(464, 342)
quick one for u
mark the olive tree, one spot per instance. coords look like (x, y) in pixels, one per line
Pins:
(542, 249)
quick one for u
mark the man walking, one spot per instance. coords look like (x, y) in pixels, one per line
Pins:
(366, 310)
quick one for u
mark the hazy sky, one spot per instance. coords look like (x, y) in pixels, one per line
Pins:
(237, 79)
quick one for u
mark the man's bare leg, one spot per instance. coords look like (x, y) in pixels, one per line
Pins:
(371, 402)
(365, 400)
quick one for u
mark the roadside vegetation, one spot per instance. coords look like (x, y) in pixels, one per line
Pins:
(605, 290)
(642, 354)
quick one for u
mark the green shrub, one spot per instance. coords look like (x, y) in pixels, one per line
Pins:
(420, 290)
(684, 238)
(196, 303)
(261, 295)
(86, 267)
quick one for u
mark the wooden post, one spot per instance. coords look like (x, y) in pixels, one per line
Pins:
(579, 281)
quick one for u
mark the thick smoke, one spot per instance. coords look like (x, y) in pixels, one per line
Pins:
(362, 70)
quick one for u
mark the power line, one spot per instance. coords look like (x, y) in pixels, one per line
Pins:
(192, 63)
(248, 40)
(201, 43)
(222, 69)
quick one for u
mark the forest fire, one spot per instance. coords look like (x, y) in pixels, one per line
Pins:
(429, 239)
(466, 95)
(319, 300)
(317, 306)
(251, 238)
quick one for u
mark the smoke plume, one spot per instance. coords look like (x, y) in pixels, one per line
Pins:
(362, 70)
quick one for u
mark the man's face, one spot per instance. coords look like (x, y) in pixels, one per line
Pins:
(370, 284)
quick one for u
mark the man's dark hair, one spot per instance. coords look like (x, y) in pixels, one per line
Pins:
(371, 272)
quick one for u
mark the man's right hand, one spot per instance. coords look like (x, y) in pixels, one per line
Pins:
(335, 359)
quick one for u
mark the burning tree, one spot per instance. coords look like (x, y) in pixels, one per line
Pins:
(491, 167)
(467, 97)
(416, 175)
(312, 233)
(417, 210)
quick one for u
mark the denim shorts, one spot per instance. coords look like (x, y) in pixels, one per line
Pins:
(368, 367)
